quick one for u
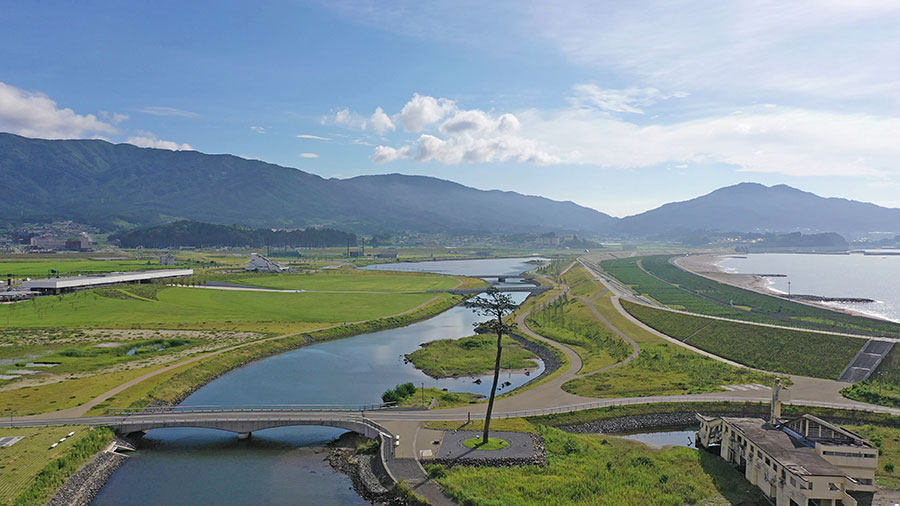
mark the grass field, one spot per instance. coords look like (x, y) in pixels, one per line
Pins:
(31, 471)
(71, 266)
(64, 394)
(469, 356)
(424, 398)
(196, 308)
(655, 277)
(349, 280)
(770, 349)
(591, 469)
(571, 322)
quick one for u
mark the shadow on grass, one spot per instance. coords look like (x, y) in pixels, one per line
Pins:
(729, 481)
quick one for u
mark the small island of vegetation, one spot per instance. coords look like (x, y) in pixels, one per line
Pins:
(470, 356)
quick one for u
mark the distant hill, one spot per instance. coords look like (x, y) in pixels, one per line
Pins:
(752, 207)
(120, 185)
(196, 234)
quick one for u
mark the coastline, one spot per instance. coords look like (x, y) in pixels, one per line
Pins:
(707, 265)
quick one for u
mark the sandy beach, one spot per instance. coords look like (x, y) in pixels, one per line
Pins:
(705, 265)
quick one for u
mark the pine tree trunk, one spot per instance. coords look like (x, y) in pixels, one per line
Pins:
(490, 408)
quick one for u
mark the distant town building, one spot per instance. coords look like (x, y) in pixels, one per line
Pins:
(166, 259)
(387, 254)
(80, 243)
(796, 461)
(259, 263)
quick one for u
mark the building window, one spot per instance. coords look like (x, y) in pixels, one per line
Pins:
(864, 481)
(793, 482)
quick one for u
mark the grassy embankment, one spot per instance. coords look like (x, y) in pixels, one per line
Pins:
(661, 368)
(32, 471)
(469, 356)
(654, 277)
(770, 349)
(586, 468)
(883, 387)
(571, 322)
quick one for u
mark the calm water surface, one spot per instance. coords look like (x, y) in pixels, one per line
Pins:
(864, 276)
(286, 465)
(683, 437)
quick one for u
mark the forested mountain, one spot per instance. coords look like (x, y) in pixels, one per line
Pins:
(196, 234)
(120, 186)
(109, 185)
(752, 207)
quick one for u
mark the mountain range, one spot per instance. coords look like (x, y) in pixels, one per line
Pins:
(115, 186)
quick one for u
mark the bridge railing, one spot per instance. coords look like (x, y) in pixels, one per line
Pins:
(152, 410)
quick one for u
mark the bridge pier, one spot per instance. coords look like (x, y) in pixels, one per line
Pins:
(244, 435)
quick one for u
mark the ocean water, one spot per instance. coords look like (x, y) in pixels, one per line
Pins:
(863, 276)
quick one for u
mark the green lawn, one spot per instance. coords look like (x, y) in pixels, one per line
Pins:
(591, 469)
(31, 471)
(469, 356)
(770, 349)
(477, 443)
(349, 280)
(197, 308)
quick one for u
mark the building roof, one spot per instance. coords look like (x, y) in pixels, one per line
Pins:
(795, 456)
(104, 279)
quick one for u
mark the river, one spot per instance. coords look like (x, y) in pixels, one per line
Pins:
(286, 465)
(862, 276)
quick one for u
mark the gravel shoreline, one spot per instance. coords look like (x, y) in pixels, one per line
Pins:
(81, 488)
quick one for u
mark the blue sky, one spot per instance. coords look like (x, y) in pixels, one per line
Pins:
(619, 106)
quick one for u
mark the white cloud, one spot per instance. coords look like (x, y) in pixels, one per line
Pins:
(758, 138)
(34, 114)
(805, 48)
(314, 137)
(465, 136)
(167, 111)
(787, 141)
(149, 140)
(381, 122)
(258, 129)
(384, 154)
(423, 111)
(625, 100)
(346, 118)
(361, 142)
(113, 117)
(308, 155)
